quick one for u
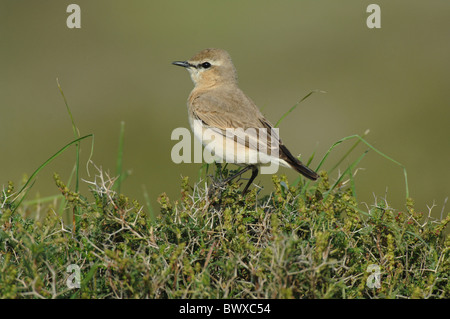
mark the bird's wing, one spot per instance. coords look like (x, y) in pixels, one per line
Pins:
(222, 114)
(241, 121)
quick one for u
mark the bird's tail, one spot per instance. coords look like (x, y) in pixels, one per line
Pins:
(296, 164)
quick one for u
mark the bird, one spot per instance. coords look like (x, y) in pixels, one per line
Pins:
(217, 104)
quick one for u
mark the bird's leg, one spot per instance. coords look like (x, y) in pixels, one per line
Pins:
(242, 171)
(227, 180)
(252, 178)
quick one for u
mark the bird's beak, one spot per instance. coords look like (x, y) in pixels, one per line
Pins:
(184, 64)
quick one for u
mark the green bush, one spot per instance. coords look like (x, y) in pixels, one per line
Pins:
(215, 243)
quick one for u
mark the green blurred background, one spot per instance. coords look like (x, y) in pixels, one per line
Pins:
(117, 67)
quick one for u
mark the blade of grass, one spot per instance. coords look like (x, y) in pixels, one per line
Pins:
(149, 204)
(374, 149)
(25, 190)
(200, 171)
(42, 200)
(347, 171)
(352, 183)
(348, 152)
(310, 159)
(371, 147)
(120, 158)
(63, 203)
(76, 134)
(297, 104)
(203, 171)
(48, 161)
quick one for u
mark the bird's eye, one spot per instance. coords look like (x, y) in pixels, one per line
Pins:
(206, 65)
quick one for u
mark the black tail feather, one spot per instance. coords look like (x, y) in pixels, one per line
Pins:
(296, 164)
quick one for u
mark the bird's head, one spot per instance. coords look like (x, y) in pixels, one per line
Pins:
(210, 67)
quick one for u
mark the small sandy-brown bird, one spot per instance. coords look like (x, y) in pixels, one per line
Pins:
(217, 103)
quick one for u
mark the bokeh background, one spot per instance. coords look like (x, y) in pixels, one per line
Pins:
(117, 67)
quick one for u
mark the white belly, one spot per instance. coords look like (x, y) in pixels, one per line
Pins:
(220, 148)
